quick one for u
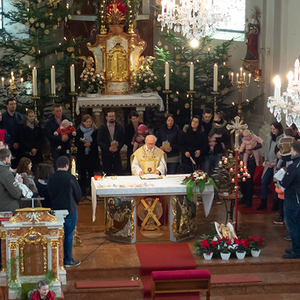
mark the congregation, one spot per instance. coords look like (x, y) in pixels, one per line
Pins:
(200, 145)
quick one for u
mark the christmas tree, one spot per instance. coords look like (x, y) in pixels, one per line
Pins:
(33, 37)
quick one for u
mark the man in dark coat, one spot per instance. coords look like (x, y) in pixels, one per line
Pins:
(111, 140)
(58, 143)
(65, 193)
(130, 130)
(11, 120)
(291, 206)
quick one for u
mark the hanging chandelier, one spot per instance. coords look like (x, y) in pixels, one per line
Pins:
(289, 102)
(194, 18)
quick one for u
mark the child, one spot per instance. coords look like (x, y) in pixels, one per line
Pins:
(66, 127)
(141, 132)
(250, 141)
(217, 130)
(284, 145)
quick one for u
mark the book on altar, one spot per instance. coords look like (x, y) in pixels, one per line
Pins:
(166, 145)
(114, 144)
(151, 176)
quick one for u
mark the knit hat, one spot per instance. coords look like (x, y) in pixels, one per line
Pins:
(143, 128)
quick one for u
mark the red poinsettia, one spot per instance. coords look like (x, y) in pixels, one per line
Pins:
(256, 243)
(225, 245)
(242, 244)
(205, 246)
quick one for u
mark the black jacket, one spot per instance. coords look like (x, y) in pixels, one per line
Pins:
(12, 124)
(172, 136)
(291, 181)
(90, 161)
(104, 139)
(55, 140)
(29, 139)
(64, 191)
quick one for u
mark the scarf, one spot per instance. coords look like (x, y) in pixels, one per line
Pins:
(87, 136)
(30, 125)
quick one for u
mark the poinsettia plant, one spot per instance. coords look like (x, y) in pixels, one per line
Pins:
(225, 245)
(256, 243)
(197, 179)
(205, 246)
(241, 244)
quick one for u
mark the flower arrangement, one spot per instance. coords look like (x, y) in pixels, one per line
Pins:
(256, 243)
(197, 180)
(91, 82)
(225, 245)
(241, 244)
(205, 246)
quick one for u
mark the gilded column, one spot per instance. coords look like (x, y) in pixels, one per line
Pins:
(13, 254)
(61, 249)
(3, 250)
(54, 245)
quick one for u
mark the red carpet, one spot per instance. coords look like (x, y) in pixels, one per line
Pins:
(157, 257)
(255, 203)
(106, 284)
(217, 279)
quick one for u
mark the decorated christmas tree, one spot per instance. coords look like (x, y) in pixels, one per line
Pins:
(33, 37)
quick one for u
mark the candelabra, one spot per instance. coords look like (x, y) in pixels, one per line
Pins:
(167, 92)
(215, 101)
(240, 84)
(191, 95)
(289, 101)
(73, 95)
(35, 99)
(53, 97)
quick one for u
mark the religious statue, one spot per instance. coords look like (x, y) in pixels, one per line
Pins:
(252, 31)
(116, 12)
(225, 231)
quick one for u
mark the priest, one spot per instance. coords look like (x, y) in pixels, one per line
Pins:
(149, 159)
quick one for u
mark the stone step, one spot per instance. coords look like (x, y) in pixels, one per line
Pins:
(289, 296)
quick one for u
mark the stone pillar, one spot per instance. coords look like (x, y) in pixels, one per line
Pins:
(98, 117)
(13, 255)
(3, 250)
(141, 110)
(54, 245)
(61, 249)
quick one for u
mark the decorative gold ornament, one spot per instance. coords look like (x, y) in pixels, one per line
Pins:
(117, 63)
(186, 105)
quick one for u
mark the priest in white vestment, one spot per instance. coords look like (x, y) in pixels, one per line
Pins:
(149, 159)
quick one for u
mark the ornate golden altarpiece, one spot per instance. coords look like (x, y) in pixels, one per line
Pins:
(32, 244)
(117, 57)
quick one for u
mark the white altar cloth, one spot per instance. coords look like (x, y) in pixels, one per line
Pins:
(130, 100)
(135, 186)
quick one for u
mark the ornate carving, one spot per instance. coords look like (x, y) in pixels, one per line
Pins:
(13, 246)
(174, 211)
(117, 64)
(54, 244)
(77, 239)
(38, 214)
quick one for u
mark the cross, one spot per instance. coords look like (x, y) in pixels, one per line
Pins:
(236, 126)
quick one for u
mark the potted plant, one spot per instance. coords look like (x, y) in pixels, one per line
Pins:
(205, 247)
(241, 247)
(225, 248)
(197, 180)
(255, 245)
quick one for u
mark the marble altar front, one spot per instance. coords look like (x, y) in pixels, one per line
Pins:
(123, 194)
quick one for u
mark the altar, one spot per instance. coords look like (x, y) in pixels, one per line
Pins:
(130, 198)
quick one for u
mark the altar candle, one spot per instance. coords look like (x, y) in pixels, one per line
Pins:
(296, 71)
(167, 79)
(215, 87)
(277, 88)
(2, 79)
(72, 78)
(192, 77)
(232, 77)
(34, 81)
(53, 81)
(244, 76)
(290, 77)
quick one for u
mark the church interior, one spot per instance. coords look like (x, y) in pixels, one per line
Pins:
(124, 42)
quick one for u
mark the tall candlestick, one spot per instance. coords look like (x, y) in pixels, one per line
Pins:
(53, 92)
(167, 79)
(192, 77)
(72, 78)
(215, 87)
(34, 81)
(296, 71)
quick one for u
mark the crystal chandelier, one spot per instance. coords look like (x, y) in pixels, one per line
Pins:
(194, 18)
(289, 102)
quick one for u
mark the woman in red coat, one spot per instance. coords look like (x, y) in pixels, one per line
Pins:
(42, 292)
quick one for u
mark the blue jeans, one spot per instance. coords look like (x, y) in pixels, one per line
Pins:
(172, 168)
(69, 226)
(292, 221)
(265, 182)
